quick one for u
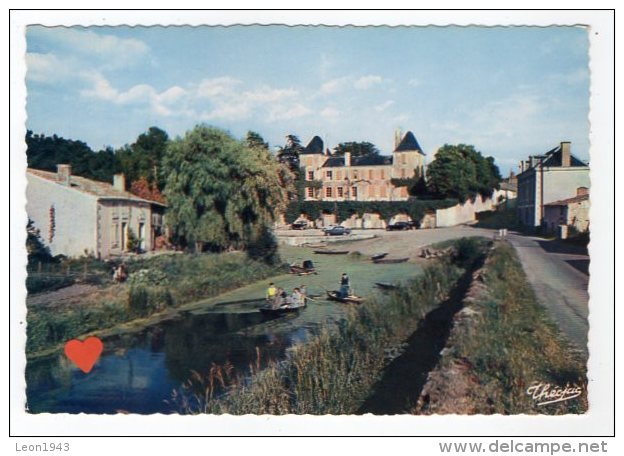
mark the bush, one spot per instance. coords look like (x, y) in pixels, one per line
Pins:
(143, 301)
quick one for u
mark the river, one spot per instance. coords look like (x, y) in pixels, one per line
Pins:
(138, 371)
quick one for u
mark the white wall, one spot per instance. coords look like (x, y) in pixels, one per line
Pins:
(75, 216)
(464, 213)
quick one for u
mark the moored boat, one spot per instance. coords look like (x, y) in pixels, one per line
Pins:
(385, 286)
(379, 256)
(350, 299)
(331, 252)
(390, 260)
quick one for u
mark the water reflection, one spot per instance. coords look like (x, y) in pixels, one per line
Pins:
(138, 372)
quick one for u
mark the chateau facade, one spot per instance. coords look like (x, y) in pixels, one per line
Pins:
(364, 178)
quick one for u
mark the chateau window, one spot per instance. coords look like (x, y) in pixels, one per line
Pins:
(356, 174)
(404, 159)
(382, 174)
(339, 192)
(403, 173)
(328, 192)
(310, 192)
(370, 174)
(329, 174)
(338, 175)
(354, 192)
(310, 175)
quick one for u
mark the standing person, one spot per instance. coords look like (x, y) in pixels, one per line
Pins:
(278, 298)
(344, 285)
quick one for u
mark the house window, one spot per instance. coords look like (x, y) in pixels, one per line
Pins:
(329, 174)
(354, 192)
(310, 175)
(328, 192)
(339, 192)
(115, 242)
(310, 192)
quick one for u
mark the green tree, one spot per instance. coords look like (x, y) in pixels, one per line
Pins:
(220, 192)
(357, 149)
(143, 157)
(289, 154)
(254, 139)
(462, 172)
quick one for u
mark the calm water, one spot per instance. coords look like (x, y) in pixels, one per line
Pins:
(138, 372)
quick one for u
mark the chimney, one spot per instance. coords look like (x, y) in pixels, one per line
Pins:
(521, 166)
(63, 174)
(582, 191)
(119, 182)
(347, 159)
(397, 138)
(565, 154)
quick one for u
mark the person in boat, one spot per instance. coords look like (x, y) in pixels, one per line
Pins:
(304, 292)
(271, 292)
(296, 299)
(279, 299)
(344, 285)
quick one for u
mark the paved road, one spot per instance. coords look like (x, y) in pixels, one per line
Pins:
(560, 288)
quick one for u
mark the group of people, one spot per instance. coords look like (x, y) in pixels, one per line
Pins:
(278, 298)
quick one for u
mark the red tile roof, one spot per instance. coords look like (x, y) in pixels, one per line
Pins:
(565, 202)
(91, 187)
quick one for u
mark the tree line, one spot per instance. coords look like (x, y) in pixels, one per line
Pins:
(223, 192)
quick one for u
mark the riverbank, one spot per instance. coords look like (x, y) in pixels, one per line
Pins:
(157, 288)
(504, 354)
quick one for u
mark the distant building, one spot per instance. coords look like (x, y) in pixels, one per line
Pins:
(547, 178)
(562, 216)
(368, 178)
(76, 215)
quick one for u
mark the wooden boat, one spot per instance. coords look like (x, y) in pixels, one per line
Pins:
(378, 256)
(331, 252)
(385, 286)
(305, 269)
(351, 299)
(390, 260)
(279, 310)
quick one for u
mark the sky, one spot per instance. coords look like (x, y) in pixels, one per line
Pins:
(509, 91)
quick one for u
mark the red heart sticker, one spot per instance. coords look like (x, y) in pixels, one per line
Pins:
(84, 354)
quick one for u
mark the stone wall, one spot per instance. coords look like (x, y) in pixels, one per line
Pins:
(465, 213)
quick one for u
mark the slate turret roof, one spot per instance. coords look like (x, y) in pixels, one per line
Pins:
(409, 143)
(315, 146)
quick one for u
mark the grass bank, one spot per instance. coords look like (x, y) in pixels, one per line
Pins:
(334, 371)
(154, 284)
(502, 344)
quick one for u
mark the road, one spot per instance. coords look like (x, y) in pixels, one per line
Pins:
(560, 287)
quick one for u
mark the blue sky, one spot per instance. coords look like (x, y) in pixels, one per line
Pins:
(509, 91)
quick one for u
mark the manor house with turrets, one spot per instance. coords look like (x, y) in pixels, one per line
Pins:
(363, 178)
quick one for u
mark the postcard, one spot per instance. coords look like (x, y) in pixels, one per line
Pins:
(362, 222)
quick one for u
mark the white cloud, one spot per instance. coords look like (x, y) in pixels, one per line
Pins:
(217, 86)
(385, 105)
(366, 82)
(46, 68)
(110, 49)
(330, 112)
(334, 85)
(288, 112)
(414, 82)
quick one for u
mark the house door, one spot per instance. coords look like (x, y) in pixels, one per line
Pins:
(124, 236)
(142, 237)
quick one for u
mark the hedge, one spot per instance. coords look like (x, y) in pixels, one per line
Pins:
(345, 209)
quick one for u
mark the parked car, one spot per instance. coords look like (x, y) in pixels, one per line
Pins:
(300, 225)
(337, 231)
(399, 226)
